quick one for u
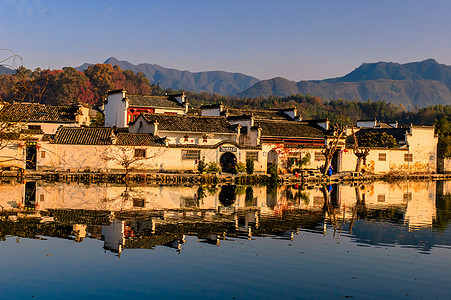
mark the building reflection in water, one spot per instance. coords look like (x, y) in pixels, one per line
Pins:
(147, 216)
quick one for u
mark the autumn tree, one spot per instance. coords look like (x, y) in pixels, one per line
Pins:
(101, 78)
(443, 128)
(67, 86)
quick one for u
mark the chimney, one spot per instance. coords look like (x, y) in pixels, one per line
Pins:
(324, 124)
(259, 135)
(155, 128)
(113, 138)
(181, 98)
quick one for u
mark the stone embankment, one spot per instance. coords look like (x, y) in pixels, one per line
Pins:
(193, 178)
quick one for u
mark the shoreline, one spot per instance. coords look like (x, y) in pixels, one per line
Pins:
(196, 178)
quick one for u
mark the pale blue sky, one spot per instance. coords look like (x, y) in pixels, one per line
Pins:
(297, 40)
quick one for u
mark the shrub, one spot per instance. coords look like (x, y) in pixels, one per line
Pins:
(213, 167)
(201, 165)
(274, 172)
(240, 167)
(304, 161)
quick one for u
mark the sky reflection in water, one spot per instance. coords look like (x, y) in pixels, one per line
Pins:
(275, 244)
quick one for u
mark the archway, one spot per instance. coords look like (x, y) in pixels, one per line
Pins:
(228, 162)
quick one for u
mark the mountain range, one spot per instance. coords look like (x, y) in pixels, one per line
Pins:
(416, 84)
(224, 83)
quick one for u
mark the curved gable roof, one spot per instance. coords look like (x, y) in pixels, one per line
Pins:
(153, 101)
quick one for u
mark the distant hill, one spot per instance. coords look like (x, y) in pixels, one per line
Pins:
(416, 84)
(6, 70)
(220, 82)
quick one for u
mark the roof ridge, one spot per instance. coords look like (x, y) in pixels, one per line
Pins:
(184, 116)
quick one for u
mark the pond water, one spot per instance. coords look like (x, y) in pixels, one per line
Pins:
(372, 240)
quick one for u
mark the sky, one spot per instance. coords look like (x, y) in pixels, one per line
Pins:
(297, 40)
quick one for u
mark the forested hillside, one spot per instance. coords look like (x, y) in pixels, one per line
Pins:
(414, 85)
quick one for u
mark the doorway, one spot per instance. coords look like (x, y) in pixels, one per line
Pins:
(228, 162)
(336, 161)
(30, 157)
(30, 195)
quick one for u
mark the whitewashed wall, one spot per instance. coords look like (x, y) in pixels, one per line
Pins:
(12, 154)
(95, 158)
(116, 110)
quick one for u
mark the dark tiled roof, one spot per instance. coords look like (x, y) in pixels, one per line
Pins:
(47, 137)
(115, 91)
(27, 112)
(103, 136)
(215, 146)
(397, 133)
(138, 139)
(83, 136)
(214, 105)
(257, 114)
(194, 111)
(290, 129)
(190, 123)
(153, 101)
(383, 125)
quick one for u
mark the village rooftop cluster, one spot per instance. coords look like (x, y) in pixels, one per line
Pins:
(163, 134)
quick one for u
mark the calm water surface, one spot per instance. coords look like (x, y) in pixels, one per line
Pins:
(78, 241)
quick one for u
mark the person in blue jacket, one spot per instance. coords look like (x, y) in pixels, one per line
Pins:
(330, 171)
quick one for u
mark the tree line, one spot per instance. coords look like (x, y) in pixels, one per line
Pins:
(68, 86)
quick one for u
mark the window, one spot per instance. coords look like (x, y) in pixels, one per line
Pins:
(382, 156)
(140, 152)
(252, 154)
(407, 197)
(189, 202)
(191, 154)
(138, 202)
(408, 157)
(319, 156)
(381, 198)
(34, 127)
(42, 154)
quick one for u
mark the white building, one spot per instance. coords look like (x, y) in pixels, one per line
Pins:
(121, 108)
